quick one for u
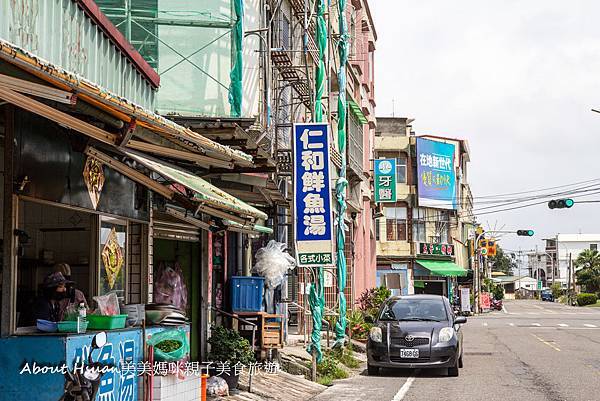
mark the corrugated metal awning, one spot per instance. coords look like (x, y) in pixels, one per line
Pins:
(204, 192)
(118, 106)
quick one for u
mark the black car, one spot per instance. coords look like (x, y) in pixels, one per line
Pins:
(547, 296)
(416, 331)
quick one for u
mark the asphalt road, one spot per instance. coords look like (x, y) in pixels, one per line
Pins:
(531, 351)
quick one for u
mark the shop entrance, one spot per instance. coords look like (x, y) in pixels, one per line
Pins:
(185, 255)
(52, 239)
(431, 288)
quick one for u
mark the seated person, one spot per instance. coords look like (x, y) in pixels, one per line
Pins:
(47, 306)
(74, 296)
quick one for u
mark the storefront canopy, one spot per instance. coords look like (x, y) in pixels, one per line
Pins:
(443, 268)
(204, 192)
(116, 106)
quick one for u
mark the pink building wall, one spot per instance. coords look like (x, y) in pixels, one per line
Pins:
(365, 257)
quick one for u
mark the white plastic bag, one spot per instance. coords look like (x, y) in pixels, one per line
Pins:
(108, 304)
(217, 386)
(273, 262)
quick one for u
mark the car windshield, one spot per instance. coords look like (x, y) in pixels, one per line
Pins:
(414, 309)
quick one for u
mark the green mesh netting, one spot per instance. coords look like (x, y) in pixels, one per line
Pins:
(320, 80)
(235, 87)
(317, 296)
(342, 183)
(316, 300)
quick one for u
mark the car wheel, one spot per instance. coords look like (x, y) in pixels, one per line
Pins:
(372, 370)
(460, 362)
(453, 371)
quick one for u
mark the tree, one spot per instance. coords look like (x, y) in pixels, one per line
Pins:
(501, 262)
(587, 267)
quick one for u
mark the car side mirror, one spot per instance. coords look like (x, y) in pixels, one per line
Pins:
(369, 319)
(460, 320)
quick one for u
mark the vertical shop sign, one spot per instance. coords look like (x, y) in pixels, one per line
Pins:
(385, 180)
(436, 181)
(313, 226)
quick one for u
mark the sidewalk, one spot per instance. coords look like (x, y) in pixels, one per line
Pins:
(280, 387)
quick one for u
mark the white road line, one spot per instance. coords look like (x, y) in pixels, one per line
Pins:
(404, 389)
(485, 324)
(536, 324)
(511, 324)
(504, 309)
(537, 306)
(563, 325)
(590, 325)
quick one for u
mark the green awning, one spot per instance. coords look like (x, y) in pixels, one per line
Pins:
(355, 108)
(204, 191)
(443, 268)
(256, 228)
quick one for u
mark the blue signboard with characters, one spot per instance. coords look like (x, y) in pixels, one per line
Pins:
(312, 195)
(436, 175)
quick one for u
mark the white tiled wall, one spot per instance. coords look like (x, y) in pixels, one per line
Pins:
(170, 388)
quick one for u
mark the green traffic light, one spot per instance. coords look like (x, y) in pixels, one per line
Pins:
(530, 233)
(569, 202)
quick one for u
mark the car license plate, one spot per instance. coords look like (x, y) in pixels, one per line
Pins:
(409, 353)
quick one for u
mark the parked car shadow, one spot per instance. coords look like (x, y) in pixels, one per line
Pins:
(386, 372)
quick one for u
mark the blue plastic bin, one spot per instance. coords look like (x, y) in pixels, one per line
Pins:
(246, 293)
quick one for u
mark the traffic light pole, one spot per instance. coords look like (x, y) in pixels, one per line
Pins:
(476, 275)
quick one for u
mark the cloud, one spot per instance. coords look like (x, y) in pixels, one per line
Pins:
(515, 78)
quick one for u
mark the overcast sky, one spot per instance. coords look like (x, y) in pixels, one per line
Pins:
(517, 79)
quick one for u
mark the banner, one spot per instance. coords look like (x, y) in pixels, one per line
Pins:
(385, 180)
(465, 299)
(313, 224)
(436, 174)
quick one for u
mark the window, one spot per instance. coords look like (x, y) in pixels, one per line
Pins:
(401, 169)
(594, 247)
(442, 227)
(377, 228)
(400, 164)
(395, 223)
(419, 218)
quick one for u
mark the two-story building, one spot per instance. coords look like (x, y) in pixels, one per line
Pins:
(422, 236)
(562, 250)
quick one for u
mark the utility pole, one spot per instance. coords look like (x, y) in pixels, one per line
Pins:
(569, 282)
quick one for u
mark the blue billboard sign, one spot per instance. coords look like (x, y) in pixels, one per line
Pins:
(313, 226)
(436, 174)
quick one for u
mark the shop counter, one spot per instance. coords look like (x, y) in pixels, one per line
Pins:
(32, 365)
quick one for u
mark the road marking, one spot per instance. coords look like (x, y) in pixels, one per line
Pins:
(590, 325)
(404, 389)
(485, 324)
(537, 306)
(536, 324)
(511, 324)
(504, 309)
(563, 325)
(546, 342)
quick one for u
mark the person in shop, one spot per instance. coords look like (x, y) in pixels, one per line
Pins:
(47, 305)
(74, 296)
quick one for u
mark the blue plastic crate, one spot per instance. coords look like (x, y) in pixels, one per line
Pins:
(246, 293)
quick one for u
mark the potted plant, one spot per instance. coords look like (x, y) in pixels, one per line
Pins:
(227, 346)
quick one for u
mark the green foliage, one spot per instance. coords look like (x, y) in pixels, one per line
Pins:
(501, 262)
(344, 355)
(357, 327)
(329, 370)
(495, 289)
(227, 345)
(588, 275)
(556, 290)
(498, 292)
(584, 299)
(370, 300)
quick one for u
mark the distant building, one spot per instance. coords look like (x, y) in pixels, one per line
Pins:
(422, 237)
(567, 245)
